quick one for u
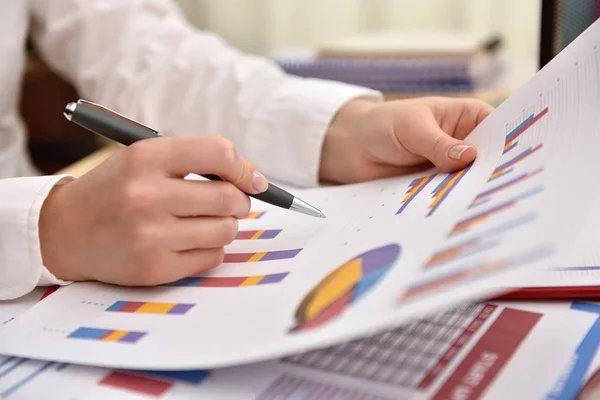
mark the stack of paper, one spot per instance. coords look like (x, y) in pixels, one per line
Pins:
(402, 62)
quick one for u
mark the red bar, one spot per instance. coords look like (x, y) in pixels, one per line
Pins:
(485, 361)
(245, 235)
(49, 291)
(139, 384)
(222, 281)
(131, 306)
(457, 346)
(527, 125)
(237, 257)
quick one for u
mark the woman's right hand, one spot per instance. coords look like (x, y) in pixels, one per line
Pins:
(134, 220)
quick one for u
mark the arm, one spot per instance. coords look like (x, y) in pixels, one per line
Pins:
(142, 59)
(21, 267)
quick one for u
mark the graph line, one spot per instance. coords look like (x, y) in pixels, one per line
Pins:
(258, 234)
(11, 390)
(415, 187)
(261, 256)
(231, 281)
(106, 335)
(255, 215)
(502, 168)
(150, 308)
(456, 278)
(482, 217)
(455, 253)
(486, 194)
(441, 192)
(511, 139)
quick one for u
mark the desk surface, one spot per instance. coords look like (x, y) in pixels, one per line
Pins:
(91, 161)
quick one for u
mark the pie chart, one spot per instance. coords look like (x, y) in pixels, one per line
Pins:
(344, 286)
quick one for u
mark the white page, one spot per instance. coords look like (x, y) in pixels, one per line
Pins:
(234, 325)
(427, 359)
(12, 309)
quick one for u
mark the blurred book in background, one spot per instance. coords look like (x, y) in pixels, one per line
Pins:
(404, 64)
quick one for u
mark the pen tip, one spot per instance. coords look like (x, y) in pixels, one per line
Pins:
(321, 215)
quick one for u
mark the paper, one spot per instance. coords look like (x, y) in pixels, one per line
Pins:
(390, 251)
(10, 310)
(479, 351)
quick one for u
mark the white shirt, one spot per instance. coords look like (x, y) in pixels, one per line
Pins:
(141, 58)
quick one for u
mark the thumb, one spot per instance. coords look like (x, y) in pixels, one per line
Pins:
(446, 152)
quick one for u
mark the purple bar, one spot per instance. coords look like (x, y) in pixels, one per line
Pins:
(280, 255)
(132, 337)
(270, 234)
(273, 278)
(180, 309)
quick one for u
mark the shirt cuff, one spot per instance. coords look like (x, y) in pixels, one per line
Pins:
(293, 121)
(21, 267)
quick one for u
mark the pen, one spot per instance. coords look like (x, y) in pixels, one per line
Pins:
(114, 126)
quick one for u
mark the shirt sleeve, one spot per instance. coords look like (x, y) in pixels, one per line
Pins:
(141, 58)
(21, 267)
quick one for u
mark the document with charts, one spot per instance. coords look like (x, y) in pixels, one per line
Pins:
(389, 251)
(478, 351)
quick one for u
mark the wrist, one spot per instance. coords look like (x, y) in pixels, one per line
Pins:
(52, 235)
(340, 142)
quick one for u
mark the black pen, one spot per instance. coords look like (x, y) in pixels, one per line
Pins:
(114, 126)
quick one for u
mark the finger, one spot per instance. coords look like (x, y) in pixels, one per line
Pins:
(470, 113)
(444, 151)
(196, 262)
(187, 198)
(202, 233)
(204, 155)
(191, 263)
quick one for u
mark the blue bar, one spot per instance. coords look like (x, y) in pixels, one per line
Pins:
(117, 306)
(13, 367)
(24, 381)
(582, 358)
(514, 131)
(88, 333)
(9, 359)
(588, 307)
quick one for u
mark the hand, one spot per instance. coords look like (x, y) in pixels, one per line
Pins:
(367, 141)
(134, 221)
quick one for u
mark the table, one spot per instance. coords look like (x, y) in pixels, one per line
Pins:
(91, 161)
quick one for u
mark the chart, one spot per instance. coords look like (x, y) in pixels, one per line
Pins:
(513, 136)
(151, 383)
(486, 195)
(229, 281)
(10, 366)
(258, 234)
(255, 215)
(344, 286)
(471, 271)
(483, 216)
(572, 379)
(507, 167)
(464, 249)
(107, 335)
(261, 256)
(415, 187)
(438, 195)
(443, 190)
(417, 355)
(150, 308)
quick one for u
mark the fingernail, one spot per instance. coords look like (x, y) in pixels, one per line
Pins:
(457, 151)
(259, 182)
